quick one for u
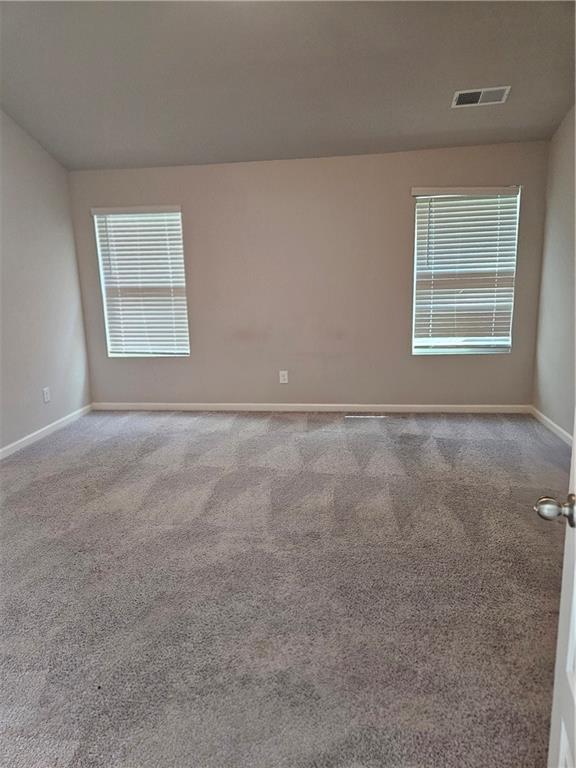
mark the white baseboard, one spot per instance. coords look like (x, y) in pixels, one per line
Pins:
(552, 426)
(314, 407)
(44, 432)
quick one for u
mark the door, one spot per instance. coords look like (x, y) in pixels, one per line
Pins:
(562, 751)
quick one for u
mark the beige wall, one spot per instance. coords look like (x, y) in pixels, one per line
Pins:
(42, 333)
(307, 265)
(554, 371)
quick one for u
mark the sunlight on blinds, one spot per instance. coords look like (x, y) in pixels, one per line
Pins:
(464, 272)
(143, 283)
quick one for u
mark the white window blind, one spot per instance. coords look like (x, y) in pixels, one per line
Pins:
(464, 271)
(143, 282)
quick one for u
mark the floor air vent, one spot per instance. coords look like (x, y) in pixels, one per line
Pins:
(481, 97)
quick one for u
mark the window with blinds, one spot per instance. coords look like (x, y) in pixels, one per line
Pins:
(143, 282)
(464, 271)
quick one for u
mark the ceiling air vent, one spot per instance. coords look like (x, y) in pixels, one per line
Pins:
(481, 97)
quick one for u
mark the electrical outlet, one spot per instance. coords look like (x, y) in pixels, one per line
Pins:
(283, 377)
(46, 394)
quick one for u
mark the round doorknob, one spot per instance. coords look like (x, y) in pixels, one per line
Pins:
(549, 508)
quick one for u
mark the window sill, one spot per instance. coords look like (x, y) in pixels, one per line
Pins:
(146, 357)
(465, 351)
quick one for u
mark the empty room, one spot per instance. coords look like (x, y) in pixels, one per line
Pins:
(287, 385)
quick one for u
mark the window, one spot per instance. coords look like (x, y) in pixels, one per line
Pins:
(464, 270)
(143, 283)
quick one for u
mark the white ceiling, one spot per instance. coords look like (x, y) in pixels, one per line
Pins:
(111, 85)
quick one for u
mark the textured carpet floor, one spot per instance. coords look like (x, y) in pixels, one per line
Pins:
(274, 591)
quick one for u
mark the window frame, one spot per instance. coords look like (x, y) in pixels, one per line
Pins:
(147, 209)
(419, 192)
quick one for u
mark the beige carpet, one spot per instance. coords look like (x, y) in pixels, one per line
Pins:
(279, 591)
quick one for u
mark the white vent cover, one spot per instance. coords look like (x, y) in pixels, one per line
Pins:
(481, 97)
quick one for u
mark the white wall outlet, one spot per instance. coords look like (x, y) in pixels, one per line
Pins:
(46, 394)
(283, 377)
